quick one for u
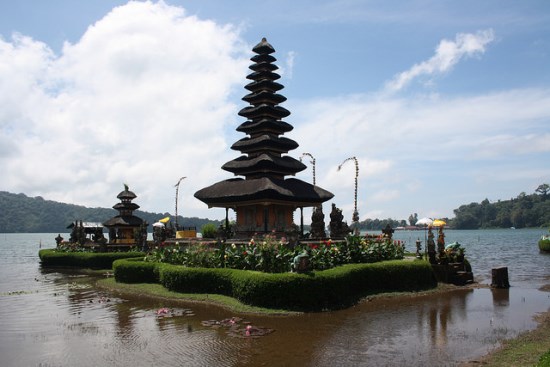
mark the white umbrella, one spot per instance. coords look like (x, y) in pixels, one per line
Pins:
(424, 221)
(158, 224)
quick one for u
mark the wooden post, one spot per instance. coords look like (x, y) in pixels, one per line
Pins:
(500, 277)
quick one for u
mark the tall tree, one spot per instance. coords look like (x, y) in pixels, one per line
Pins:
(413, 218)
(543, 190)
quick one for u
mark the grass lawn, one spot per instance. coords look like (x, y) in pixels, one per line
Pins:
(158, 291)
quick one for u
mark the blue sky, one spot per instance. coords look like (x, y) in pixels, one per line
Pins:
(443, 103)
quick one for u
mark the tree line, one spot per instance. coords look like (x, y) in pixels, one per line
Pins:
(22, 214)
(523, 211)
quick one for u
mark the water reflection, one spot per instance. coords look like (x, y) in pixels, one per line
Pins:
(501, 297)
(54, 317)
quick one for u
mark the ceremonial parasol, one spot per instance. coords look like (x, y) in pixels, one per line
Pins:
(424, 221)
(438, 223)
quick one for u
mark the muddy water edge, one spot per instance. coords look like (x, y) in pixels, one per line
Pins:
(59, 318)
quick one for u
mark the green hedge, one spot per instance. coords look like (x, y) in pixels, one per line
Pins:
(330, 289)
(197, 280)
(93, 260)
(135, 270)
(544, 245)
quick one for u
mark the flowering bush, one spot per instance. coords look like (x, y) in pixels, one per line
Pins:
(271, 255)
(201, 254)
(267, 254)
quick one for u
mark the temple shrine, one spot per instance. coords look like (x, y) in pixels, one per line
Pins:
(124, 226)
(264, 200)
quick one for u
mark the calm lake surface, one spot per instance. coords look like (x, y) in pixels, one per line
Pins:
(58, 318)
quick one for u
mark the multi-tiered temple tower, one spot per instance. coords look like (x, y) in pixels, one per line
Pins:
(122, 227)
(265, 199)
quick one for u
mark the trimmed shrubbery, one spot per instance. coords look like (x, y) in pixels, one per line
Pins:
(272, 255)
(259, 273)
(92, 260)
(135, 270)
(544, 244)
(330, 289)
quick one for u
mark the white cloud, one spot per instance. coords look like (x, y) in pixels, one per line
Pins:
(413, 152)
(289, 65)
(142, 98)
(150, 94)
(447, 54)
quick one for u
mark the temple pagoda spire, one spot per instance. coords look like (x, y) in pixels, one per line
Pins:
(121, 227)
(265, 199)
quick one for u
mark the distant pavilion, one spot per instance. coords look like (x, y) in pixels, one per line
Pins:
(122, 227)
(264, 201)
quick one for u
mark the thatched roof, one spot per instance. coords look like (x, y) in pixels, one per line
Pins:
(238, 191)
(124, 221)
(264, 163)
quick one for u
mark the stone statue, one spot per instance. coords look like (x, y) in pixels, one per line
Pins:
(318, 223)
(338, 228)
(441, 243)
(301, 263)
(58, 239)
(388, 232)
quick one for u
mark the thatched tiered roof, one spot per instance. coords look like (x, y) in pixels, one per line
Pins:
(264, 162)
(126, 217)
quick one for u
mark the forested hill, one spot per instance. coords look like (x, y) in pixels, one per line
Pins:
(22, 214)
(520, 212)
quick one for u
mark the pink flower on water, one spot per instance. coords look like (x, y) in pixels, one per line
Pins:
(163, 311)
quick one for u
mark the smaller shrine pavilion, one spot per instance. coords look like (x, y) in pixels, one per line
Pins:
(265, 199)
(122, 228)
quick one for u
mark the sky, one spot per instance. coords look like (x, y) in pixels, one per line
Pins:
(442, 103)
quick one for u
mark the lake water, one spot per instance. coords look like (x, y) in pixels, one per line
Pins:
(58, 318)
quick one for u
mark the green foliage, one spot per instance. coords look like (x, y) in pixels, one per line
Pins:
(209, 230)
(196, 280)
(520, 212)
(22, 214)
(544, 244)
(378, 224)
(135, 270)
(271, 255)
(52, 257)
(544, 360)
(330, 289)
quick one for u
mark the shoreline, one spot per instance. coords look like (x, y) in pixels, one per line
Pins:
(523, 350)
(157, 291)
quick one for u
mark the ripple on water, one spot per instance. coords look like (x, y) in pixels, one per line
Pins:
(56, 319)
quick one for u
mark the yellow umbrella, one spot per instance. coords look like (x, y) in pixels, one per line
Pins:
(164, 220)
(438, 223)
